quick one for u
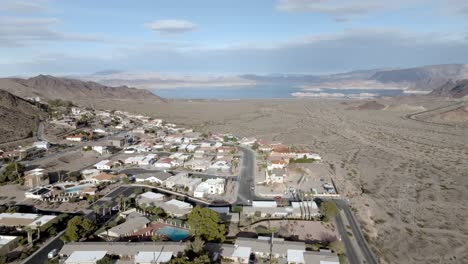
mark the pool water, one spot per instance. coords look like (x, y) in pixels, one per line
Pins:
(75, 189)
(174, 233)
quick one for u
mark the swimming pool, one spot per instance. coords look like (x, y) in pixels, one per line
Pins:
(173, 233)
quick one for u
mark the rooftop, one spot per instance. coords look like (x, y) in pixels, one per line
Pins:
(79, 257)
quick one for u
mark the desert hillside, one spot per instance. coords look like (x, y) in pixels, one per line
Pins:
(51, 87)
(18, 117)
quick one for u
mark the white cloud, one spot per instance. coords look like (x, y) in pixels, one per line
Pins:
(24, 6)
(23, 31)
(171, 26)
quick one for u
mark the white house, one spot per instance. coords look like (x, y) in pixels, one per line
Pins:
(248, 141)
(76, 138)
(103, 165)
(165, 163)
(100, 149)
(210, 186)
(182, 179)
(275, 175)
(41, 145)
(221, 165)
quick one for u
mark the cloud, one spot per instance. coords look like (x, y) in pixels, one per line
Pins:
(348, 50)
(23, 31)
(171, 26)
(334, 7)
(24, 6)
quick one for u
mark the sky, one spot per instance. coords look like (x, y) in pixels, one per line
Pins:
(225, 37)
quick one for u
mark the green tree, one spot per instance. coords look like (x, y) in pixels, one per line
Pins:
(329, 210)
(206, 224)
(105, 260)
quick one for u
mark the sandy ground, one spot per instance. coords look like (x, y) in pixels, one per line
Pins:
(301, 230)
(406, 178)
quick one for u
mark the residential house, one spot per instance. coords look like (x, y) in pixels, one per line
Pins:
(8, 243)
(36, 177)
(101, 149)
(20, 220)
(106, 177)
(275, 176)
(183, 181)
(261, 247)
(165, 163)
(76, 138)
(150, 198)
(220, 165)
(176, 208)
(118, 142)
(126, 229)
(248, 141)
(198, 164)
(158, 177)
(210, 186)
(104, 165)
(42, 145)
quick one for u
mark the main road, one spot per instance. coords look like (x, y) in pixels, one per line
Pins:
(367, 253)
(246, 179)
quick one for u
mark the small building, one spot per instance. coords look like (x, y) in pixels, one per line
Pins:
(275, 175)
(158, 177)
(36, 177)
(20, 220)
(42, 145)
(104, 165)
(176, 208)
(85, 257)
(101, 149)
(210, 186)
(76, 138)
(127, 228)
(220, 165)
(118, 142)
(182, 180)
(8, 243)
(150, 198)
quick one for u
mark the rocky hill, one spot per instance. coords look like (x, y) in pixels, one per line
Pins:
(457, 89)
(18, 117)
(51, 87)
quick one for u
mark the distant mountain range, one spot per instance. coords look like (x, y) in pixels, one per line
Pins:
(50, 87)
(18, 117)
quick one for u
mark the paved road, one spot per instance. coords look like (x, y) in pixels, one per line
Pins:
(134, 171)
(350, 250)
(41, 255)
(246, 178)
(357, 233)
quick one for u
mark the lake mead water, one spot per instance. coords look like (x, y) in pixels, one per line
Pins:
(265, 92)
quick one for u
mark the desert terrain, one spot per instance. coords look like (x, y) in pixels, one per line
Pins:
(406, 174)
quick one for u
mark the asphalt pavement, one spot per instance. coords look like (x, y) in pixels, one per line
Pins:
(362, 242)
(246, 178)
(350, 250)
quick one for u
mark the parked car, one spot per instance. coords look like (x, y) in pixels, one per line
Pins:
(53, 253)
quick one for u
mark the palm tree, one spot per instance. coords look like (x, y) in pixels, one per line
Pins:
(109, 206)
(121, 201)
(96, 209)
(29, 231)
(38, 228)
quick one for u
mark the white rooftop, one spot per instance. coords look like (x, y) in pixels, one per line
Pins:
(152, 195)
(85, 257)
(18, 215)
(42, 220)
(241, 252)
(153, 257)
(179, 204)
(264, 204)
(311, 204)
(295, 256)
(102, 162)
(6, 239)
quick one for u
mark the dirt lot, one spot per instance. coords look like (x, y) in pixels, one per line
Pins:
(406, 178)
(301, 230)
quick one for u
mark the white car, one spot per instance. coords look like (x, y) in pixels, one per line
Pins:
(52, 253)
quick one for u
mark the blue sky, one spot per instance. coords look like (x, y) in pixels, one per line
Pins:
(229, 37)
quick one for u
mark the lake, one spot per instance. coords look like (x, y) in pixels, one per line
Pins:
(267, 91)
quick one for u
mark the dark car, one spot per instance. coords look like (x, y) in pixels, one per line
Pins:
(252, 258)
